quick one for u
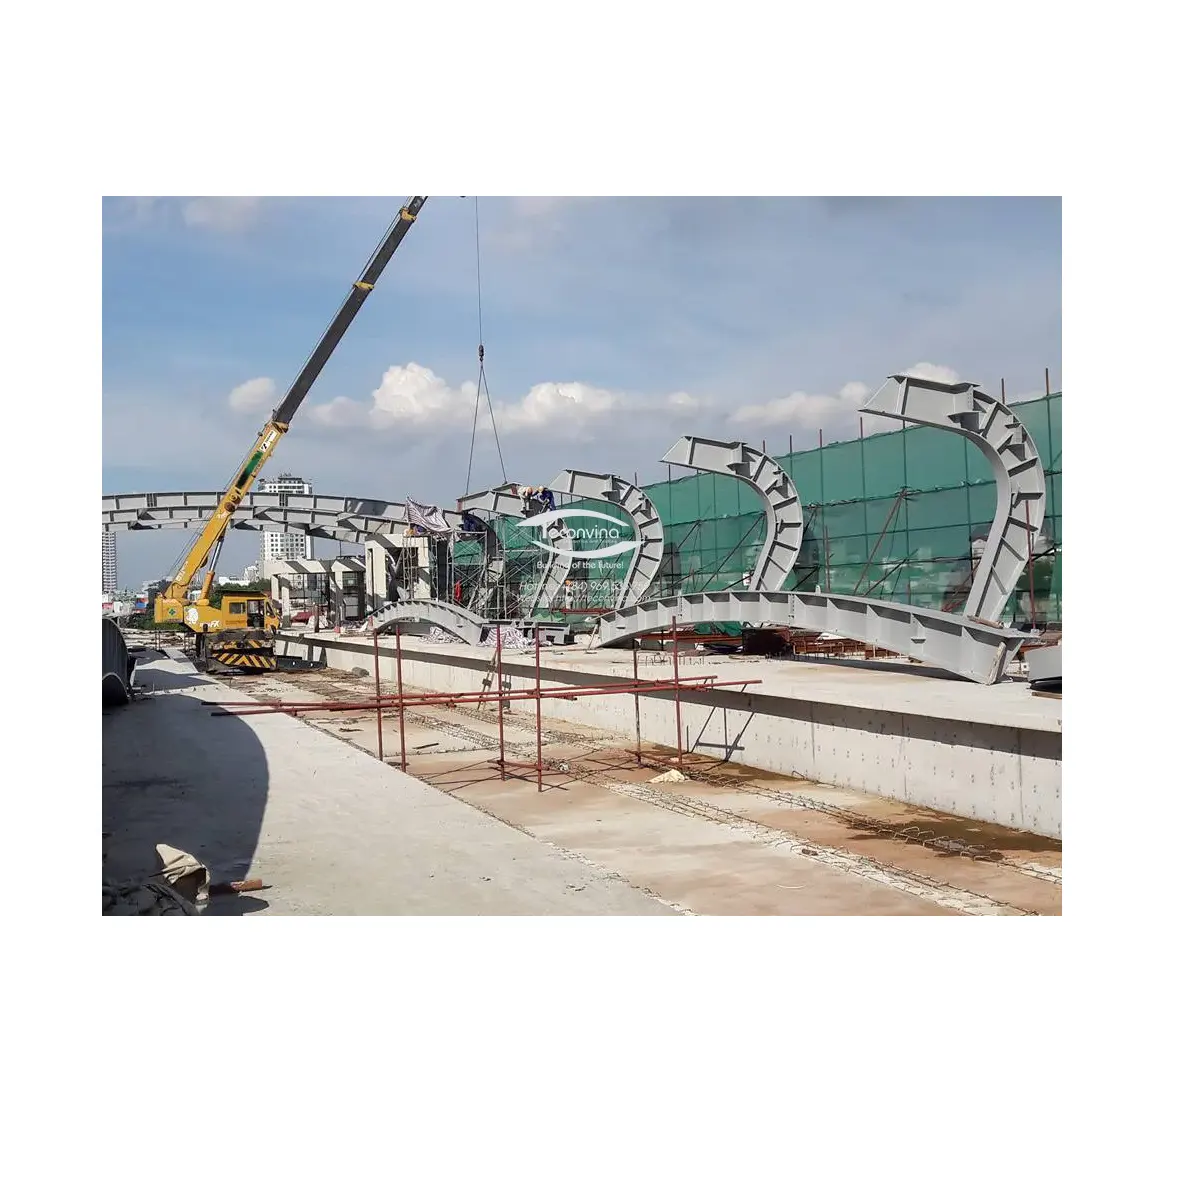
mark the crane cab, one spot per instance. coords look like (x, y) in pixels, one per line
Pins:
(249, 612)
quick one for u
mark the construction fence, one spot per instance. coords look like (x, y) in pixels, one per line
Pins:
(899, 515)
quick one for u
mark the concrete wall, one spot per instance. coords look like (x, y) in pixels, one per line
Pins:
(989, 772)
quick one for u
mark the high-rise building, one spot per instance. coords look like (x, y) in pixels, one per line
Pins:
(108, 561)
(291, 544)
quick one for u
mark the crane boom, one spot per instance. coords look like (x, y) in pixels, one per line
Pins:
(169, 606)
(268, 438)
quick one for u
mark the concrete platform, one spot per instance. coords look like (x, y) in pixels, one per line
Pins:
(332, 830)
(900, 731)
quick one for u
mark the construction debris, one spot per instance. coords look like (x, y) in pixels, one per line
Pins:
(144, 899)
(179, 889)
(236, 886)
(511, 638)
(671, 776)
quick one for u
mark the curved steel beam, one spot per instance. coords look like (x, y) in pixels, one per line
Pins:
(632, 500)
(954, 643)
(339, 518)
(1020, 479)
(505, 501)
(556, 570)
(462, 622)
(781, 502)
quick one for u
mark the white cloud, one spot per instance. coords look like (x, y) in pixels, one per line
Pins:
(804, 410)
(834, 414)
(254, 396)
(340, 413)
(528, 222)
(546, 404)
(931, 371)
(226, 214)
(413, 397)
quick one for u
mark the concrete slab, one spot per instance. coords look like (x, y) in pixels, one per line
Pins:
(874, 684)
(985, 753)
(730, 840)
(330, 829)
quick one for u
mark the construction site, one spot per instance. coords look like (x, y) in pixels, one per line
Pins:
(782, 681)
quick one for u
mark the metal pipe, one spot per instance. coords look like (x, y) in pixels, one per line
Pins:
(637, 707)
(537, 684)
(1029, 542)
(500, 696)
(678, 702)
(378, 697)
(665, 686)
(618, 685)
(879, 540)
(425, 699)
(400, 696)
(1047, 381)
(703, 684)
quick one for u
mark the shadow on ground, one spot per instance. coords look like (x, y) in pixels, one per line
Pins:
(174, 774)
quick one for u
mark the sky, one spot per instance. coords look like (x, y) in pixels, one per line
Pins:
(611, 327)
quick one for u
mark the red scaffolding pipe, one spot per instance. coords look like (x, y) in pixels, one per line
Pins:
(1029, 542)
(452, 699)
(400, 696)
(637, 708)
(685, 683)
(678, 701)
(537, 684)
(500, 695)
(378, 697)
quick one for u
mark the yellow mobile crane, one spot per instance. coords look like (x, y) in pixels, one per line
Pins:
(240, 631)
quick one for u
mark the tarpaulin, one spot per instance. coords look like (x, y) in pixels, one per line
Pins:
(428, 518)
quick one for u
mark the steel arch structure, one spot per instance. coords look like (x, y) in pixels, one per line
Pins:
(647, 524)
(980, 653)
(780, 500)
(504, 501)
(965, 409)
(337, 518)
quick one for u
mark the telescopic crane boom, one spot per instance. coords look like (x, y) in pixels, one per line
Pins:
(238, 616)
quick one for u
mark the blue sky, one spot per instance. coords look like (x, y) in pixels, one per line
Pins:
(612, 326)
